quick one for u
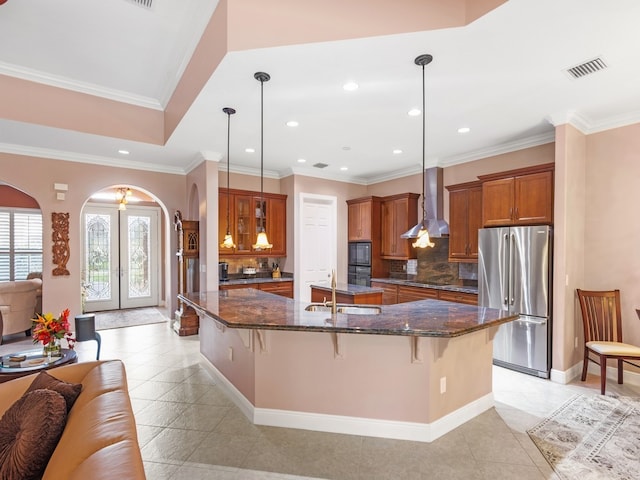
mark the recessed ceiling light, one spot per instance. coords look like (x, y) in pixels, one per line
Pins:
(250, 150)
(344, 168)
(301, 160)
(464, 130)
(414, 112)
(292, 123)
(397, 151)
(350, 86)
(345, 148)
(123, 152)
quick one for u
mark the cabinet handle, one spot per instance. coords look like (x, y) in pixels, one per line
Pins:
(511, 213)
(517, 216)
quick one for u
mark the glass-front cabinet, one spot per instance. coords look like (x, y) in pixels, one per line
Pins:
(246, 218)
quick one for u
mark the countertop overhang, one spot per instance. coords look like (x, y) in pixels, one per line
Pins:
(253, 309)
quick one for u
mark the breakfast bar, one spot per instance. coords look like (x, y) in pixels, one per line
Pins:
(410, 371)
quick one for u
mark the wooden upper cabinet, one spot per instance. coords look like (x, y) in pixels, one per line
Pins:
(534, 199)
(364, 219)
(276, 220)
(245, 221)
(465, 218)
(399, 214)
(518, 197)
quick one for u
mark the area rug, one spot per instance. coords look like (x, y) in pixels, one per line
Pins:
(592, 437)
(129, 318)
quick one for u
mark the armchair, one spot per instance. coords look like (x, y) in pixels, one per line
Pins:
(18, 305)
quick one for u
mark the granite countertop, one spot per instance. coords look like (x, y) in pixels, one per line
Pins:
(251, 308)
(411, 283)
(348, 289)
(248, 281)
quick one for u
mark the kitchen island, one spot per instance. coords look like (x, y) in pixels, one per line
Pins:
(414, 371)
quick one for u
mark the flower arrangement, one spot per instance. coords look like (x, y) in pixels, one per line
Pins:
(49, 330)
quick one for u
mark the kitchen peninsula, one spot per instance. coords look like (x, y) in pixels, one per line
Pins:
(414, 371)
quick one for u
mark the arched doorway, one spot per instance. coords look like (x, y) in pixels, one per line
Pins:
(121, 250)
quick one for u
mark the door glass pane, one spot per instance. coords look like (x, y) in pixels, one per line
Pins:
(98, 257)
(139, 229)
(243, 222)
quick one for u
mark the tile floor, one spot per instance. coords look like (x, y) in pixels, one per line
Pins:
(188, 429)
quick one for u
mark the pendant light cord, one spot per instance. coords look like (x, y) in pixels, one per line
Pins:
(424, 136)
(229, 111)
(262, 154)
(228, 194)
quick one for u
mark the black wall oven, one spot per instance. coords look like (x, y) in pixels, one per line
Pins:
(360, 263)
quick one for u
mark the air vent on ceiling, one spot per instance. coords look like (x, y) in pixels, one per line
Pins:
(587, 68)
(321, 165)
(142, 3)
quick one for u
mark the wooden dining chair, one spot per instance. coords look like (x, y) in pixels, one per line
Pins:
(602, 320)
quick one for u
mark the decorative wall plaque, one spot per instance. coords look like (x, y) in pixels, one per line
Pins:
(60, 238)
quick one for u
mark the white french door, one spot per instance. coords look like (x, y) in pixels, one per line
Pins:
(120, 257)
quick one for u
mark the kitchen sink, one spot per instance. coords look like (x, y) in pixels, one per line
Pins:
(345, 308)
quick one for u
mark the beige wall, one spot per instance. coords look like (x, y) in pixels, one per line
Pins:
(569, 248)
(612, 223)
(342, 191)
(36, 176)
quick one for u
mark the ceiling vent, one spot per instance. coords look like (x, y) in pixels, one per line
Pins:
(587, 68)
(321, 165)
(143, 3)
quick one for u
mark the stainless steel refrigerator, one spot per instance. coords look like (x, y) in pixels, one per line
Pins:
(514, 274)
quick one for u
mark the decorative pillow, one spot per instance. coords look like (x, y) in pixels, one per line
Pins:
(69, 391)
(29, 432)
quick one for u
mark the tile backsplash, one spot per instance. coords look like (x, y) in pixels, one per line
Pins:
(433, 266)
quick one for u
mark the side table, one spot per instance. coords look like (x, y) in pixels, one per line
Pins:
(33, 363)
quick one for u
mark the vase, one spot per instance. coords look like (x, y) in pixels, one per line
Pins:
(52, 349)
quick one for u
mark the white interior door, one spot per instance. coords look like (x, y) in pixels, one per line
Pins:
(120, 257)
(316, 218)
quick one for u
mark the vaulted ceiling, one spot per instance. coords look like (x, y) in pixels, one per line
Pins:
(82, 79)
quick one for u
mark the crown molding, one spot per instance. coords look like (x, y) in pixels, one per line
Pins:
(81, 87)
(501, 149)
(588, 127)
(255, 172)
(91, 159)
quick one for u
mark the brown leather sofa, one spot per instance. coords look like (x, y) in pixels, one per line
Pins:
(99, 441)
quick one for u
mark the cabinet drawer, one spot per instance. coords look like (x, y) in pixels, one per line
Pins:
(411, 294)
(459, 297)
(237, 286)
(284, 289)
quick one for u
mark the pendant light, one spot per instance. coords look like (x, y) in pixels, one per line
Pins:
(419, 231)
(262, 241)
(228, 239)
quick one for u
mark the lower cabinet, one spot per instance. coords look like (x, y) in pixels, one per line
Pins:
(394, 293)
(284, 289)
(411, 294)
(389, 294)
(458, 297)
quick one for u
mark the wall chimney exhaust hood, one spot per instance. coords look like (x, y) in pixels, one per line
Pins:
(433, 218)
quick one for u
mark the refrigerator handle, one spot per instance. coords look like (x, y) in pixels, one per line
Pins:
(505, 282)
(512, 247)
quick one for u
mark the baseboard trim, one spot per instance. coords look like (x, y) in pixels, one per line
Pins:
(566, 376)
(575, 372)
(369, 427)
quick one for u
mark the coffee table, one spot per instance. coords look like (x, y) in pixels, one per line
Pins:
(33, 363)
